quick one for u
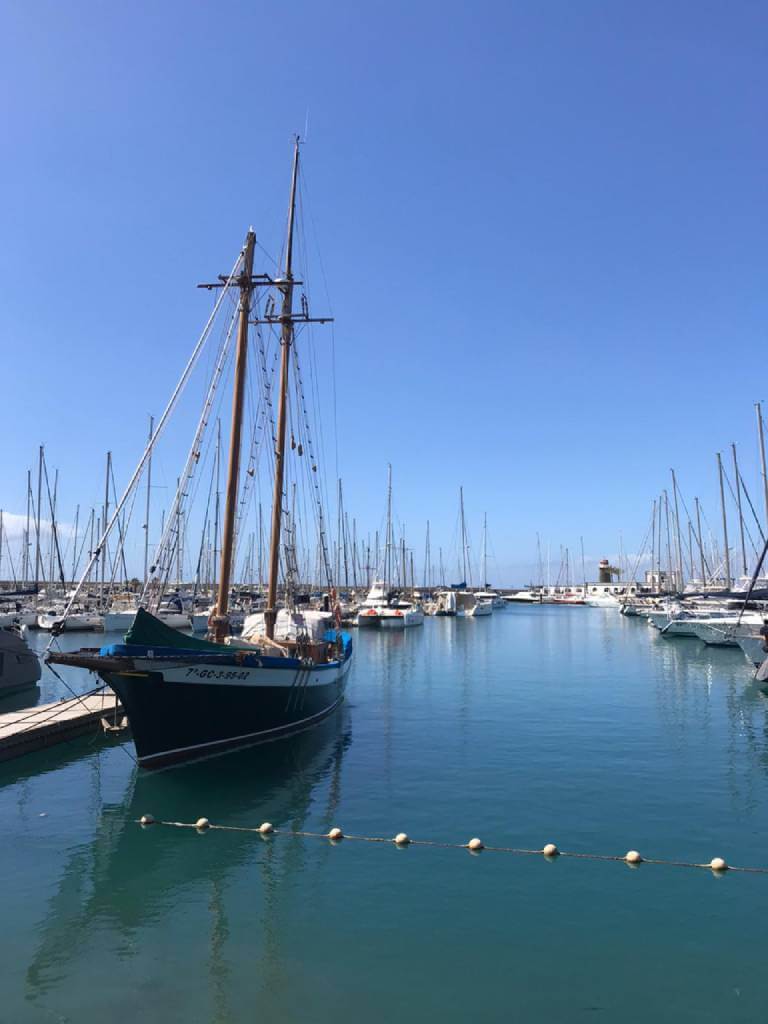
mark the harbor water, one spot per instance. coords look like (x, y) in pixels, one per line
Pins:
(540, 724)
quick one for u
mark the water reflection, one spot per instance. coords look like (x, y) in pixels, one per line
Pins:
(129, 877)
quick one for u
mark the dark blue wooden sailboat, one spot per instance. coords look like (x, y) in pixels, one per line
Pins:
(186, 697)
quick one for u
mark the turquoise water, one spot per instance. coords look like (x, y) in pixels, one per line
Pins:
(569, 725)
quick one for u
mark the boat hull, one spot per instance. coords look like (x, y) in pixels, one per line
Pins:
(19, 665)
(753, 648)
(402, 619)
(369, 617)
(480, 609)
(119, 622)
(181, 711)
(79, 622)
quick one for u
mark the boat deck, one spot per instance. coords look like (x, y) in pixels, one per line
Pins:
(22, 732)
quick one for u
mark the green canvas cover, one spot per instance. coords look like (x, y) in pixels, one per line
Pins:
(151, 632)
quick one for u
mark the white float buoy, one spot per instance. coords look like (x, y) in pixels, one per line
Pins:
(266, 827)
(146, 819)
(401, 839)
(633, 857)
(475, 844)
(336, 833)
(202, 824)
(718, 864)
(550, 850)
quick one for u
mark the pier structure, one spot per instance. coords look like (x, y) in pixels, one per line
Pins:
(22, 732)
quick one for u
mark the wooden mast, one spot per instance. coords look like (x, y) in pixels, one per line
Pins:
(286, 339)
(220, 621)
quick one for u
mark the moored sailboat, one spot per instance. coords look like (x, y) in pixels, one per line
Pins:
(187, 697)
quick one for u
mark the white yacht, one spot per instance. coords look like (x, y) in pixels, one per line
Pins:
(370, 608)
(121, 614)
(722, 631)
(19, 665)
(483, 605)
(379, 609)
(79, 620)
(400, 614)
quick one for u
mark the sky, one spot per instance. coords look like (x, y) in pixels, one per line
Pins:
(541, 226)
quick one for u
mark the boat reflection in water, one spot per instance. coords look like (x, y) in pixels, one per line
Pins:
(133, 878)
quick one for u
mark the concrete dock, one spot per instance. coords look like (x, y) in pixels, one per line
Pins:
(21, 732)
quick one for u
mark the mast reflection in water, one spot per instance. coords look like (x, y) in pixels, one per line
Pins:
(129, 878)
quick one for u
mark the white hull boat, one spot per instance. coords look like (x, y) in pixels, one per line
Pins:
(19, 665)
(120, 621)
(483, 606)
(753, 648)
(75, 622)
(401, 616)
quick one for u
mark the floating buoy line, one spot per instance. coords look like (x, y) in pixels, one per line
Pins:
(550, 851)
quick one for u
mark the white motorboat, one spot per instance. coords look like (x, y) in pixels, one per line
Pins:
(400, 614)
(523, 597)
(483, 606)
(19, 665)
(602, 601)
(79, 620)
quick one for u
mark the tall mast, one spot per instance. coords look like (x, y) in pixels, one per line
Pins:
(286, 340)
(669, 546)
(388, 543)
(677, 533)
(761, 438)
(26, 530)
(74, 545)
(37, 515)
(90, 542)
(541, 564)
(485, 550)
(52, 505)
(653, 538)
(105, 520)
(725, 525)
(738, 506)
(463, 535)
(427, 573)
(701, 545)
(221, 620)
(179, 552)
(146, 511)
(217, 505)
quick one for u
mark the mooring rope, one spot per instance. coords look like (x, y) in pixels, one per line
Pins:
(50, 710)
(550, 851)
(53, 711)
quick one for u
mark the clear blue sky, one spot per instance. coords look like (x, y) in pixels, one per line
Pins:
(542, 223)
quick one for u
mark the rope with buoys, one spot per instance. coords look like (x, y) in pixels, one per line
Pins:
(401, 840)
